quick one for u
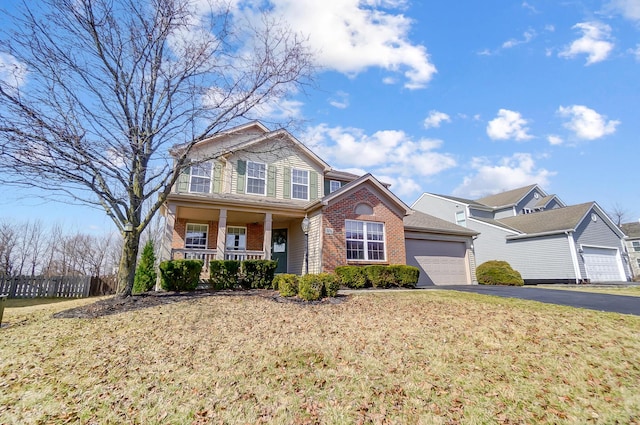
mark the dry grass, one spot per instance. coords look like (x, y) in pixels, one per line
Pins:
(428, 357)
(632, 291)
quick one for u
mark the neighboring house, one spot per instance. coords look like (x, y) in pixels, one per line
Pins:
(248, 190)
(632, 241)
(540, 236)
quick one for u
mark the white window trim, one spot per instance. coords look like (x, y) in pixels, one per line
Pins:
(191, 176)
(331, 182)
(246, 188)
(366, 241)
(206, 236)
(462, 222)
(245, 239)
(635, 246)
(299, 184)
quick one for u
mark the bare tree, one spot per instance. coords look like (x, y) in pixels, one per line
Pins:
(618, 214)
(102, 88)
(8, 237)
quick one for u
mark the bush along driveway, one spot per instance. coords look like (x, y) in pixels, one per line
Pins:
(593, 301)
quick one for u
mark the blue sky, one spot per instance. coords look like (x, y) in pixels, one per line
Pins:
(461, 98)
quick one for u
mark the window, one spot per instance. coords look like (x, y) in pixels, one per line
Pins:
(461, 219)
(299, 184)
(334, 185)
(636, 246)
(200, 178)
(236, 238)
(365, 240)
(638, 261)
(256, 178)
(196, 236)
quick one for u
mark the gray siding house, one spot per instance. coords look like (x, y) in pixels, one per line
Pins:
(632, 242)
(541, 237)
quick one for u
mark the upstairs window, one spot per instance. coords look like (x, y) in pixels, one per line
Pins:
(636, 246)
(300, 184)
(200, 178)
(256, 178)
(334, 185)
(196, 236)
(365, 240)
(461, 219)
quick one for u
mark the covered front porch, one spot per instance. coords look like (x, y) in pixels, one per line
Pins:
(209, 232)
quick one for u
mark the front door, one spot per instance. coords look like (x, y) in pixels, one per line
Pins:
(279, 249)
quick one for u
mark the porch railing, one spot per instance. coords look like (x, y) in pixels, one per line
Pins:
(206, 255)
(244, 255)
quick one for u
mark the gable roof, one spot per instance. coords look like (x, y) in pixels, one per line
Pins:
(508, 198)
(420, 221)
(468, 202)
(367, 178)
(632, 230)
(555, 220)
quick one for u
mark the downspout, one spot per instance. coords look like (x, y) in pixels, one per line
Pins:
(574, 256)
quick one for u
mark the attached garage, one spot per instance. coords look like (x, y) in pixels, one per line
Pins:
(441, 250)
(602, 264)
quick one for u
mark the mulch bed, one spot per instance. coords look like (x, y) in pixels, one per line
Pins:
(115, 305)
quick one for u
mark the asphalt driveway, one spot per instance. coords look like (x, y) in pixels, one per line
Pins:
(589, 300)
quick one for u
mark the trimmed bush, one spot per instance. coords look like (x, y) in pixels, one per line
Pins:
(352, 276)
(286, 284)
(497, 272)
(223, 274)
(310, 287)
(380, 276)
(405, 276)
(145, 278)
(180, 275)
(330, 283)
(258, 273)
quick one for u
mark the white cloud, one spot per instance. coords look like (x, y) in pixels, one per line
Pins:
(595, 42)
(508, 125)
(435, 118)
(554, 139)
(532, 8)
(509, 173)
(527, 36)
(273, 108)
(630, 9)
(340, 100)
(586, 123)
(350, 36)
(12, 72)
(636, 52)
(389, 153)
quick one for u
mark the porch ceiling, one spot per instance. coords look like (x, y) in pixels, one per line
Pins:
(233, 216)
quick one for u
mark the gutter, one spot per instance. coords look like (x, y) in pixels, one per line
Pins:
(534, 235)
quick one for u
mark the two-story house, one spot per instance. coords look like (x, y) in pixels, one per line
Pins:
(540, 236)
(252, 193)
(632, 240)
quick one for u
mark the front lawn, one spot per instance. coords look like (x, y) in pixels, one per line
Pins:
(429, 357)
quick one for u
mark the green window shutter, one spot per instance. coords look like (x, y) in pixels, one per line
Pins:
(327, 186)
(183, 180)
(271, 181)
(287, 183)
(217, 178)
(242, 172)
(313, 185)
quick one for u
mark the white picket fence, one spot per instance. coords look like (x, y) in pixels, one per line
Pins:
(40, 286)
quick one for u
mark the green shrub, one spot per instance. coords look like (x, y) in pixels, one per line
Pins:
(310, 287)
(259, 273)
(223, 274)
(405, 276)
(286, 284)
(330, 283)
(380, 276)
(497, 272)
(145, 278)
(352, 276)
(180, 275)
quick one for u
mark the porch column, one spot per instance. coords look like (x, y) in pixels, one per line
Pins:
(167, 235)
(222, 234)
(268, 223)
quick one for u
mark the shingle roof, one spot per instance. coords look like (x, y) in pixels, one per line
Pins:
(470, 202)
(631, 229)
(557, 219)
(509, 197)
(545, 200)
(420, 221)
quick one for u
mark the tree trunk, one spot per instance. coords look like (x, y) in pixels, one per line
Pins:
(127, 268)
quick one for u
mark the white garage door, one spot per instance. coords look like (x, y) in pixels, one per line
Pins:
(440, 262)
(602, 264)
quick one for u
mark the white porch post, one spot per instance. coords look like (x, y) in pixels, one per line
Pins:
(268, 223)
(167, 236)
(222, 234)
